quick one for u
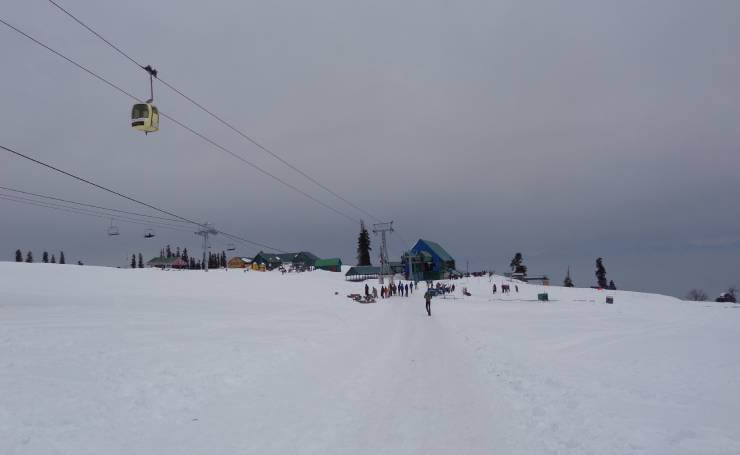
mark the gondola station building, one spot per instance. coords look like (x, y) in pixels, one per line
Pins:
(426, 261)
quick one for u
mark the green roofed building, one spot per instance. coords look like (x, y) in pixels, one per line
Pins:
(299, 259)
(332, 265)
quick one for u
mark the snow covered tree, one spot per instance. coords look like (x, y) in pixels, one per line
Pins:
(141, 261)
(45, 257)
(612, 286)
(517, 265)
(18, 256)
(697, 295)
(29, 257)
(61, 257)
(568, 282)
(363, 246)
(600, 274)
(133, 261)
(53, 259)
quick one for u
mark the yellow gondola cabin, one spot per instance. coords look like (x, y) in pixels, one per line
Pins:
(145, 117)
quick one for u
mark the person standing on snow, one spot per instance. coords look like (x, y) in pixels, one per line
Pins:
(406, 288)
(367, 290)
(428, 299)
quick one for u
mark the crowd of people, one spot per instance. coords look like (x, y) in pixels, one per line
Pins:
(400, 289)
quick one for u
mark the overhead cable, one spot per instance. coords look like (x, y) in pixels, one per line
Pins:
(213, 115)
(182, 125)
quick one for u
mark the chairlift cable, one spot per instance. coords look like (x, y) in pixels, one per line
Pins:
(78, 212)
(89, 211)
(15, 190)
(131, 198)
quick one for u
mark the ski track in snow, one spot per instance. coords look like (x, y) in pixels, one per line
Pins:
(96, 360)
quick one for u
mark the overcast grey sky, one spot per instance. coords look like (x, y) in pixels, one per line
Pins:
(565, 130)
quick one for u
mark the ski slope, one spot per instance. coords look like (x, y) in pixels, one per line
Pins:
(98, 360)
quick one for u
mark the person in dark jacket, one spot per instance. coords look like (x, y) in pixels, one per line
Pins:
(367, 290)
(406, 288)
(428, 299)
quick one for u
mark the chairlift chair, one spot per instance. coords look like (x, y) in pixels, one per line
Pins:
(230, 247)
(149, 233)
(113, 230)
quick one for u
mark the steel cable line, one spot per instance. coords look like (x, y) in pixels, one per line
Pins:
(86, 213)
(130, 198)
(15, 190)
(107, 214)
(119, 218)
(215, 116)
(182, 125)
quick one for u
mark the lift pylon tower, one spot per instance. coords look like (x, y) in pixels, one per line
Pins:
(385, 266)
(205, 232)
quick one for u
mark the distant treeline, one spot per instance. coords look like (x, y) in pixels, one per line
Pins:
(44, 258)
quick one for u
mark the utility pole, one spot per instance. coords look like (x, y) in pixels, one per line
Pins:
(205, 232)
(382, 228)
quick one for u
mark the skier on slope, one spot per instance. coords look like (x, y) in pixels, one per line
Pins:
(428, 299)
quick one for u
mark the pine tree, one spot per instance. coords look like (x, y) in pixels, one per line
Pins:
(141, 261)
(177, 253)
(185, 255)
(223, 259)
(45, 258)
(612, 286)
(169, 252)
(61, 257)
(517, 266)
(133, 261)
(53, 259)
(600, 274)
(29, 257)
(363, 246)
(568, 282)
(18, 256)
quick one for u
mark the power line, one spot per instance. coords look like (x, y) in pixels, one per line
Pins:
(182, 125)
(128, 197)
(215, 116)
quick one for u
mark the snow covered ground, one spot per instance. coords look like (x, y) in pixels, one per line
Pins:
(107, 361)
